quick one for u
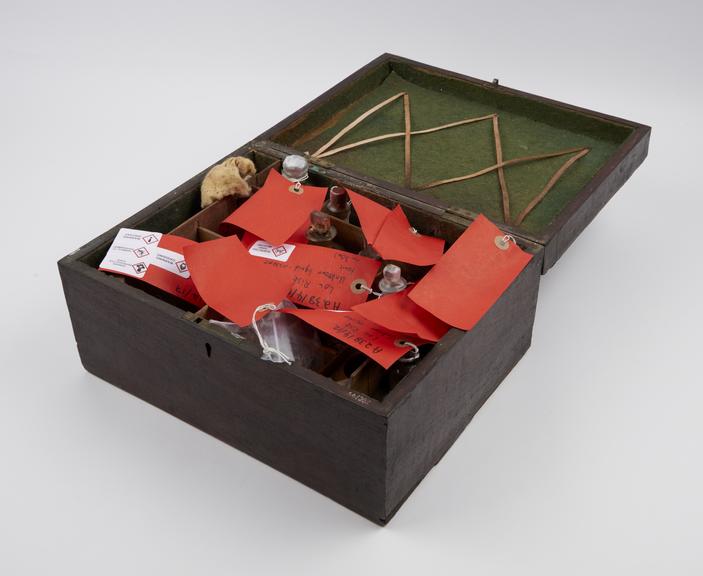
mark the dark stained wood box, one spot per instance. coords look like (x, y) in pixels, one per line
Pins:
(366, 449)
(367, 453)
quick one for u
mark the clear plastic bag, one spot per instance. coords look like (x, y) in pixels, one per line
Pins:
(284, 338)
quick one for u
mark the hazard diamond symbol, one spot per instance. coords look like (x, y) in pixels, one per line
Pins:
(141, 252)
(139, 267)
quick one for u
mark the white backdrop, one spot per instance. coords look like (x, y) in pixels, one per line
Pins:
(587, 460)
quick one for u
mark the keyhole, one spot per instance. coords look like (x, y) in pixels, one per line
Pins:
(208, 349)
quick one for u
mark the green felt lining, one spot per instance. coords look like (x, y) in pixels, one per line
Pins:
(528, 127)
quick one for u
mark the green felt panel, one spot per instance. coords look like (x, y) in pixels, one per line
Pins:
(527, 128)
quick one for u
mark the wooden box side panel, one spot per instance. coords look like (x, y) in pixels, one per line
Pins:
(593, 198)
(453, 387)
(279, 417)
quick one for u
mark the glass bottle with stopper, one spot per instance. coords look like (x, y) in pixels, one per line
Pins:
(321, 231)
(392, 280)
(295, 168)
(338, 204)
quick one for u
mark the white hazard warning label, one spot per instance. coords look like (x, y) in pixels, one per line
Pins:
(262, 249)
(133, 251)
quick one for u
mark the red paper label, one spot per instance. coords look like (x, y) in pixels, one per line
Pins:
(154, 258)
(183, 288)
(371, 215)
(392, 236)
(397, 240)
(378, 343)
(325, 278)
(248, 239)
(400, 314)
(274, 213)
(232, 281)
(298, 237)
(235, 282)
(470, 277)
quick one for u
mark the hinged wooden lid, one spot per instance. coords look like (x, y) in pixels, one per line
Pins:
(539, 168)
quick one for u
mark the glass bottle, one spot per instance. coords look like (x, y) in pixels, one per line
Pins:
(321, 231)
(295, 168)
(392, 280)
(338, 204)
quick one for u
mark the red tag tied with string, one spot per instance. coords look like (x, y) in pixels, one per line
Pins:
(298, 237)
(324, 278)
(392, 236)
(400, 314)
(371, 215)
(398, 240)
(235, 281)
(232, 281)
(378, 343)
(277, 210)
(471, 275)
